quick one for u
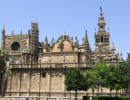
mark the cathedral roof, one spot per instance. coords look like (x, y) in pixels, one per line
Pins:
(64, 43)
(67, 47)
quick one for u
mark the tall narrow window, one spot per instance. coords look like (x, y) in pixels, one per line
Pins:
(107, 40)
(43, 74)
(101, 27)
(96, 40)
(101, 39)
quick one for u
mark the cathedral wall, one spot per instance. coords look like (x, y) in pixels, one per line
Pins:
(107, 47)
(15, 84)
(35, 81)
(8, 85)
(56, 83)
(44, 82)
(24, 82)
(68, 59)
(82, 60)
(57, 59)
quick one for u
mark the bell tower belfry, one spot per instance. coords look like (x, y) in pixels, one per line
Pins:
(102, 38)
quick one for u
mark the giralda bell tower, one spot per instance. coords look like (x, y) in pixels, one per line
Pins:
(102, 38)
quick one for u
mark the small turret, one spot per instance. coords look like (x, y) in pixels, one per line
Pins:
(52, 41)
(113, 46)
(12, 32)
(21, 32)
(108, 31)
(76, 41)
(3, 31)
(72, 40)
(121, 57)
(46, 41)
(83, 41)
(29, 32)
(86, 37)
(95, 32)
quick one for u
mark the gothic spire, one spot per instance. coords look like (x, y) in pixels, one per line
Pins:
(21, 32)
(46, 39)
(52, 41)
(86, 37)
(12, 32)
(113, 46)
(3, 31)
(83, 41)
(46, 42)
(87, 42)
(87, 47)
(3, 27)
(95, 31)
(29, 32)
(76, 41)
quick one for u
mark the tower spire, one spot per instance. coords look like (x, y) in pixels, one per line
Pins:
(101, 10)
(101, 36)
(101, 21)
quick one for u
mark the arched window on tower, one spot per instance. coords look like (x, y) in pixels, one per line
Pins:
(101, 39)
(101, 28)
(96, 40)
(107, 40)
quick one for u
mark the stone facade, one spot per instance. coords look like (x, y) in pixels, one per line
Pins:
(39, 68)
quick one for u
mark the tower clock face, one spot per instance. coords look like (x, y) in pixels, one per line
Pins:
(15, 46)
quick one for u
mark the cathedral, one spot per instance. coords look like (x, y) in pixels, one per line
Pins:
(38, 68)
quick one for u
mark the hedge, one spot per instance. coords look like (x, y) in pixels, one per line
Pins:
(107, 98)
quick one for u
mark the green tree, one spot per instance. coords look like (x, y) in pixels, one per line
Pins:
(114, 78)
(4, 70)
(124, 70)
(101, 71)
(91, 80)
(75, 80)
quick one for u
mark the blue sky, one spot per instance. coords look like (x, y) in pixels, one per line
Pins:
(72, 16)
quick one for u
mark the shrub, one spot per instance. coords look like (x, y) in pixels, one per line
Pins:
(107, 98)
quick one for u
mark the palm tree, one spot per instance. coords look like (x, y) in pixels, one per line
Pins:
(5, 71)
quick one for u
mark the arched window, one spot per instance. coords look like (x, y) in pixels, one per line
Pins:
(101, 39)
(96, 40)
(101, 27)
(107, 40)
(15, 46)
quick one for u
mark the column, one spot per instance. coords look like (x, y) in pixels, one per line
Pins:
(63, 84)
(19, 83)
(49, 83)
